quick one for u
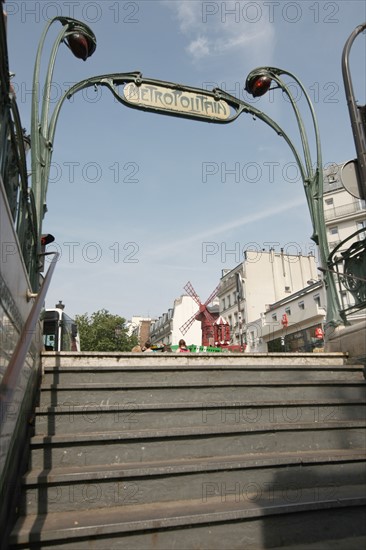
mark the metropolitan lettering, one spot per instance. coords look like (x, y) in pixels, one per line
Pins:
(168, 99)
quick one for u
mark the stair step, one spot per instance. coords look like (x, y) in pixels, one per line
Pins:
(212, 524)
(62, 489)
(177, 466)
(200, 374)
(106, 394)
(160, 360)
(90, 417)
(141, 445)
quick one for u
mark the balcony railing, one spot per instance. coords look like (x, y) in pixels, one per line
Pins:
(343, 211)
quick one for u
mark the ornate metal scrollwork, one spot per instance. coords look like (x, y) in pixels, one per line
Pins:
(354, 268)
(350, 268)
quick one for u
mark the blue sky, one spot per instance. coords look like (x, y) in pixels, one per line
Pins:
(140, 203)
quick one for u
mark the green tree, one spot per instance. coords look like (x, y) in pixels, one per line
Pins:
(102, 331)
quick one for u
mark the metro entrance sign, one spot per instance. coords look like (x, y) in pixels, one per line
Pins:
(176, 101)
(167, 98)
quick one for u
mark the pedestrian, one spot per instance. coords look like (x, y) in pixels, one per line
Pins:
(182, 348)
(147, 347)
(136, 349)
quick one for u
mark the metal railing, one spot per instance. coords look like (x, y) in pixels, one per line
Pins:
(349, 266)
(9, 380)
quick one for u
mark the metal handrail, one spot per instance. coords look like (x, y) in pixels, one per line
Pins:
(10, 378)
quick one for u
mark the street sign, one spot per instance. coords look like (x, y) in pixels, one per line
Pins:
(349, 178)
(176, 101)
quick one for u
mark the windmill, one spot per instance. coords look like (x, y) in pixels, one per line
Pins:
(203, 314)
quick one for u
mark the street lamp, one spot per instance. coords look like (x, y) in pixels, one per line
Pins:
(80, 39)
(257, 84)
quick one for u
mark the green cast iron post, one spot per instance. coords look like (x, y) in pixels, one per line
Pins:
(258, 83)
(82, 42)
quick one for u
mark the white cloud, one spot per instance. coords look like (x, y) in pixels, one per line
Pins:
(199, 48)
(216, 33)
(188, 13)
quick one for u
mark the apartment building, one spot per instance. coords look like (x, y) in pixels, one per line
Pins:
(140, 327)
(166, 329)
(304, 311)
(292, 324)
(263, 278)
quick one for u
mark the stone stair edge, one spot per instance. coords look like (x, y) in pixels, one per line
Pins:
(203, 354)
(201, 368)
(138, 407)
(101, 523)
(197, 384)
(192, 431)
(192, 465)
(55, 358)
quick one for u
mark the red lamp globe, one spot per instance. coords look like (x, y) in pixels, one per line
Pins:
(258, 85)
(81, 45)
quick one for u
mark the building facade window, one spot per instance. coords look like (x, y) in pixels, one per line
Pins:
(302, 305)
(361, 225)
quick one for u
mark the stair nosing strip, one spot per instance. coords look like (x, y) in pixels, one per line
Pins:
(192, 431)
(194, 465)
(163, 521)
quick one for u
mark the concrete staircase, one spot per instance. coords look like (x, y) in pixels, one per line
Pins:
(217, 452)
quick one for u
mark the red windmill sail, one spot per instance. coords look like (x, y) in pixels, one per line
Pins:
(203, 314)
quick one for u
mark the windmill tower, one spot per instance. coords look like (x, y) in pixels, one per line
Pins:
(203, 314)
(222, 333)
